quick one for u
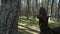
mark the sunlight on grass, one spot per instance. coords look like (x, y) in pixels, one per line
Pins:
(22, 24)
(21, 27)
(54, 24)
(31, 26)
(31, 32)
(22, 17)
(52, 21)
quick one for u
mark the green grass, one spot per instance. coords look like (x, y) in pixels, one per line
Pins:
(54, 23)
(31, 26)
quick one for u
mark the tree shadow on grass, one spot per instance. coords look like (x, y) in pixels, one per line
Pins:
(24, 31)
(55, 30)
(54, 24)
(32, 30)
(30, 22)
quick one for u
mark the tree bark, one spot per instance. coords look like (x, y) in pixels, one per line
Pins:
(9, 17)
(59, 10)
(28, 10)
(52, 7)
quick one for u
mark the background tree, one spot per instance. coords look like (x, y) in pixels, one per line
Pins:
(28, 3)
(59, 10)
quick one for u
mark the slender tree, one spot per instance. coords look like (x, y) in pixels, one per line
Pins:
(58, 10)
(28, 6)
(52, 7)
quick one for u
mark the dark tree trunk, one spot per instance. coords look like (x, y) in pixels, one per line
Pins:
(9, 17)
(52, 7)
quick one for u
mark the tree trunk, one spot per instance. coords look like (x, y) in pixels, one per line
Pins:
(59, 10)
(9, 17)
(52, 7)
(28, 10)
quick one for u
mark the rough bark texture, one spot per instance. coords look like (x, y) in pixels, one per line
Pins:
(9, 17)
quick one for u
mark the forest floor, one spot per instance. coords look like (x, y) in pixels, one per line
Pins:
(31, 26)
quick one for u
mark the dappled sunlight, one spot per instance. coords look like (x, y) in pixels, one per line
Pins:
(34, 27)
(37, 19)
(31, 26)
(22, 24)
(22, 17)
(53, 23)
(50, 21)
(21, 27)
(27, 29)
(30, 29)
(24, 21)
(28, 26)
(31, 32)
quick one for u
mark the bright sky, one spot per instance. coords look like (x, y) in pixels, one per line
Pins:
(56, 1)
(39, 1)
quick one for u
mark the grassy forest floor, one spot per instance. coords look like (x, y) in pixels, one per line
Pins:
(31, 26)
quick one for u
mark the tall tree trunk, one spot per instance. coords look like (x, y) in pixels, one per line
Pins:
(59, 10)
(34, 8)
(28, 10)
(9, 17)
(52, 7)
(36, 3)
